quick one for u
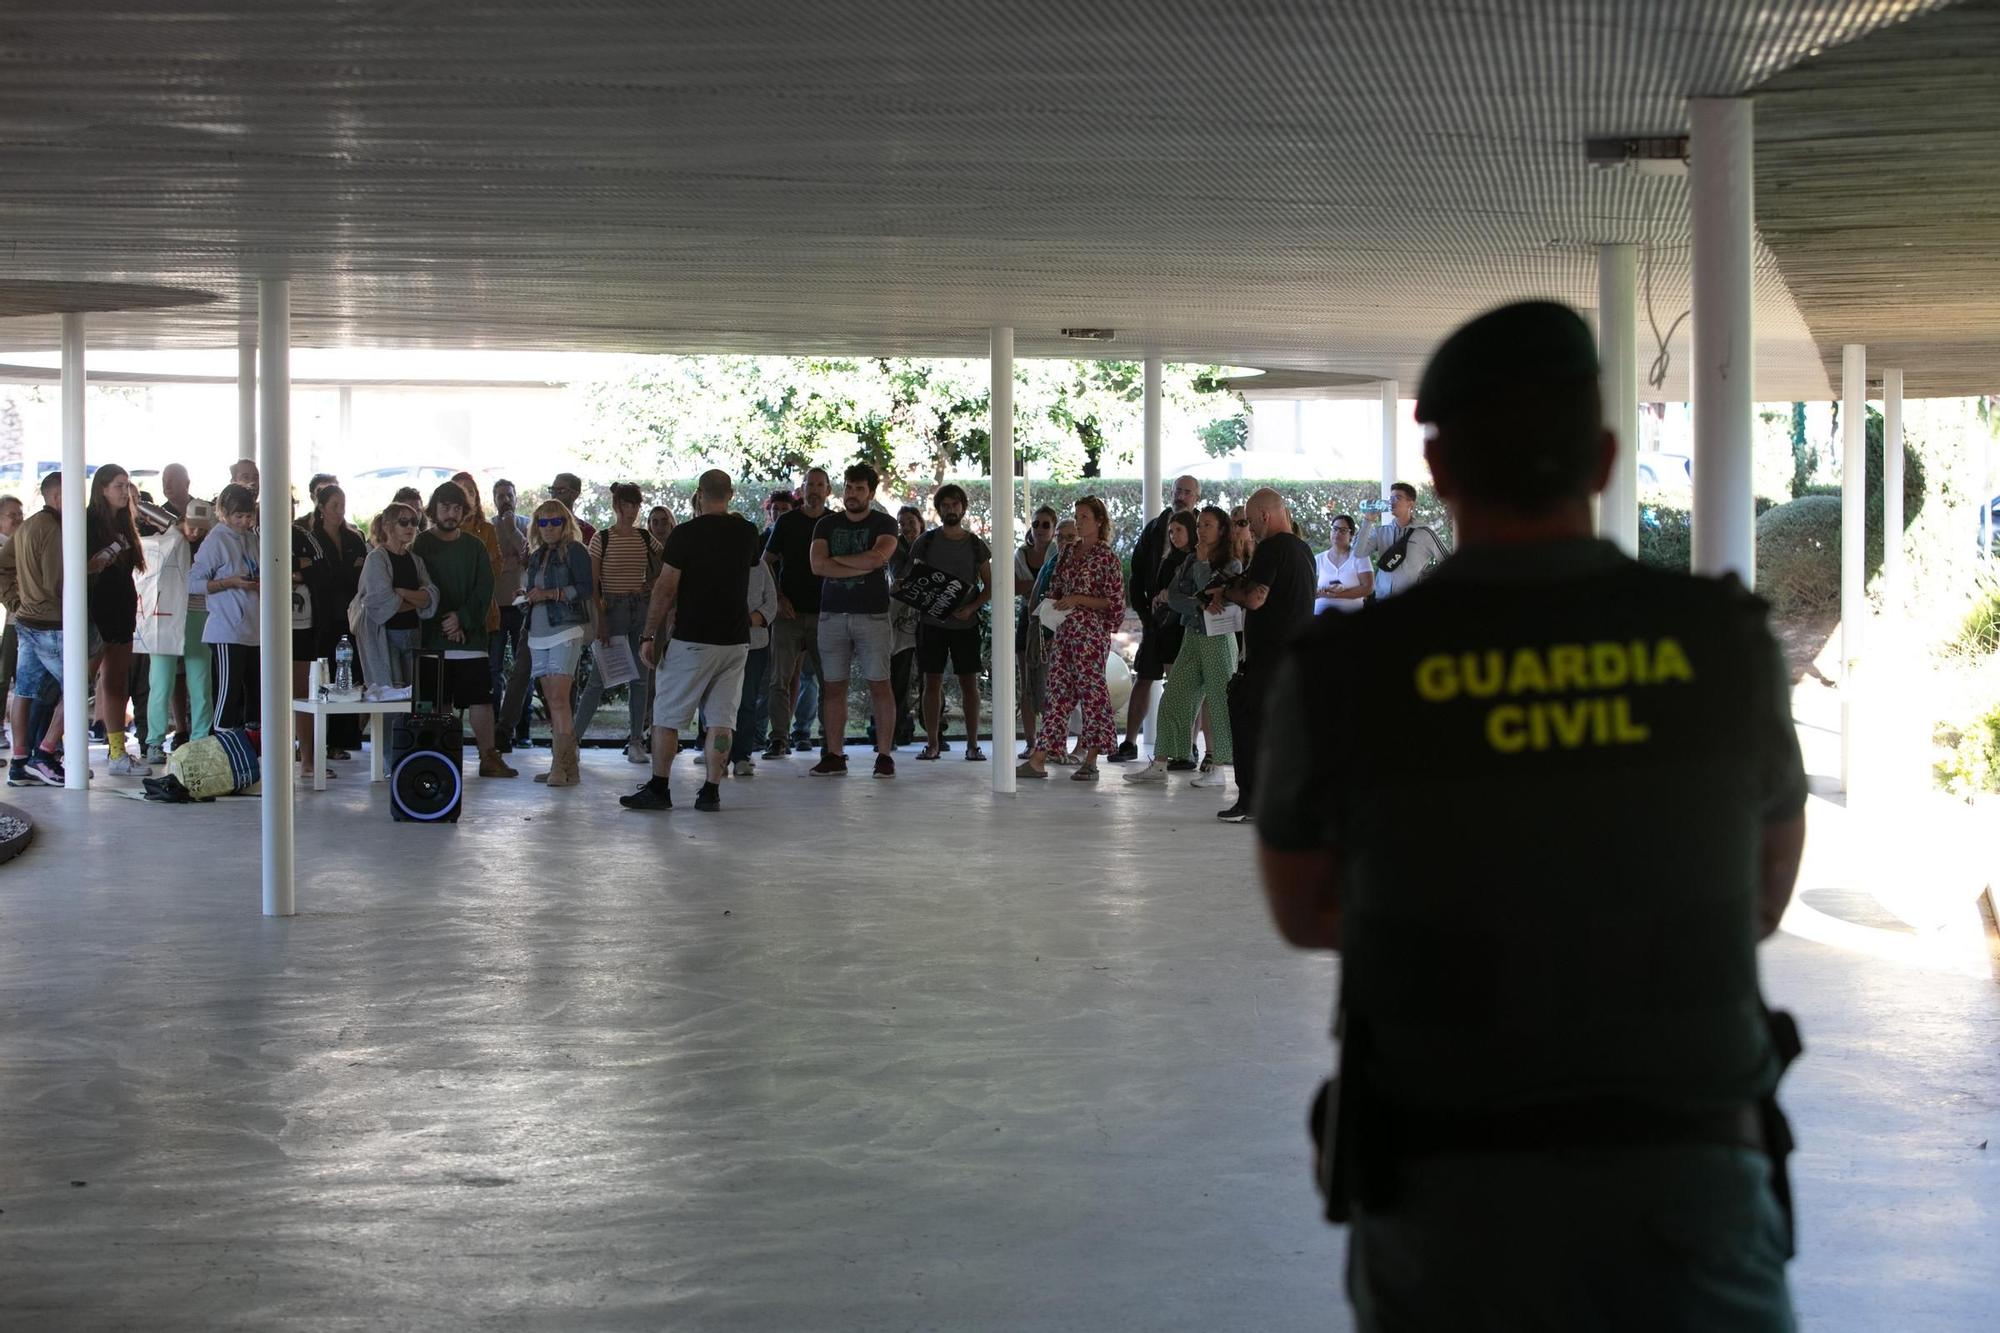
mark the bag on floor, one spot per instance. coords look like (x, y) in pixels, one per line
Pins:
(221, 764)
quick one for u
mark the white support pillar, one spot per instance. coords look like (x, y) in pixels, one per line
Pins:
(1618, 383)
(246, 392)
(274, 603)
(1853, 539)
(1151, 465)
(1392, 395)
(1002, 457)
(75, 566)
(1892, 486)
(346, 433)
(1723, 361)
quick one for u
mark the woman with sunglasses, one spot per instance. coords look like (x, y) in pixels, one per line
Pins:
(556, 588)
(395, 594)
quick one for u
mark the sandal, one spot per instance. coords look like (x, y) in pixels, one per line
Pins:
(928, 755)
(1084, 773)
(973, 752)
(1031, 772)
(338, 754)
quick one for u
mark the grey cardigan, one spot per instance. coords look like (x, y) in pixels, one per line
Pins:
(368, 614)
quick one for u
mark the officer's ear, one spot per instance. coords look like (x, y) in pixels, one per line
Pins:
(1443, 479)
(1607, 458)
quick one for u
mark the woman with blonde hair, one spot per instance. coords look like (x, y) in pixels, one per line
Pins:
(556, 589)
(394, 596)
(1089, 586)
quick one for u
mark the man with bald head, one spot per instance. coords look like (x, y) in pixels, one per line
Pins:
(174, 490)
(1154, 561)
(1276, 594)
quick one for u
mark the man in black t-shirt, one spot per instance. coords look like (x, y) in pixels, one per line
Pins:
(795, 633)
(704, 584)
(1276, 594)
(850, 550)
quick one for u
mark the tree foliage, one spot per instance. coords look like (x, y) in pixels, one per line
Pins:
(916, 421)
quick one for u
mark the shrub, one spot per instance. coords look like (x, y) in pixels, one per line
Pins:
(1970, 764)
(1798, 554)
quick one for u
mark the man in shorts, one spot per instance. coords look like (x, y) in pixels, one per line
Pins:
(953, 638)
(704, 584)
(851, 549)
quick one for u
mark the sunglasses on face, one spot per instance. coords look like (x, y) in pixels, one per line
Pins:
(549, 522)
(406, 522)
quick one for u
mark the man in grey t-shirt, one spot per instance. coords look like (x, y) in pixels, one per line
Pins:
(955, 635)
(1414, 558)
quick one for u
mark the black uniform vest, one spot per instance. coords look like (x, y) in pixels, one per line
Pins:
(1550, 839)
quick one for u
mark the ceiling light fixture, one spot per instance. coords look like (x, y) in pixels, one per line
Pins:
(1090, 335)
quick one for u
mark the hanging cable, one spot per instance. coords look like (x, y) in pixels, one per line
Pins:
(1657, 376)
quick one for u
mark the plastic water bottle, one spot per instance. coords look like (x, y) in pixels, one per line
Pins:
(343, 665)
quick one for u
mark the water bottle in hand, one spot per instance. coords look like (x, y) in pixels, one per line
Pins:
(343, 665)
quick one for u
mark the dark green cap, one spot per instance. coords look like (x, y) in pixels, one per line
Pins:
(1524, 345)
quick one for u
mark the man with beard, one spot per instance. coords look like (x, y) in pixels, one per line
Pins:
(850, 551)
(955, 635)
(463, 573)
(795, 636)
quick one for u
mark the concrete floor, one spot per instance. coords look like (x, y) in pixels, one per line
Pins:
(850, 1055)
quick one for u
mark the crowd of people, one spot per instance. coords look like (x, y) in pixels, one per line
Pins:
(741, 636)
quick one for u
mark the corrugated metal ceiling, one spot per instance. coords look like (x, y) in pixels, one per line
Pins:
(1313, 186)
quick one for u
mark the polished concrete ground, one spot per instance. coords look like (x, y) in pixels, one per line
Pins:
(849, 1055)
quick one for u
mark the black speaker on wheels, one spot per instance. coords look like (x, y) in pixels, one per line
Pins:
(427, 753)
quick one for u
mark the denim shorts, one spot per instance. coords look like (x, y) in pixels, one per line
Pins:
(848, 640)
(557, 659)
(39, 665)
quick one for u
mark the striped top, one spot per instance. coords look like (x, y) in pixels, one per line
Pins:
(628, 557)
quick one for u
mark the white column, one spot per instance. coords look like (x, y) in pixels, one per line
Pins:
(1151, 468)
(1892, 486)
(346, 431)
(1853, 539)
(274, 604)
(75, 566)
(246, 392)
(1392, 394)
(1002, 457)
(1723, 361)
(1618, 382)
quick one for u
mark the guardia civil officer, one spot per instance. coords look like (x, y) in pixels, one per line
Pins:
(1555, 1102)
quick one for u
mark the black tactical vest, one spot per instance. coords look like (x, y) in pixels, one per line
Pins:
(1551, 839)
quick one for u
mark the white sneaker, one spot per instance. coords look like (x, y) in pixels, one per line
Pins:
(128, 765)
(1215, 777)
(635, 752)
(1153, 772)
(745, 769)
(155, 755)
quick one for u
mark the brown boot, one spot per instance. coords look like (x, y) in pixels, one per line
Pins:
(491, 765)
(562, 770)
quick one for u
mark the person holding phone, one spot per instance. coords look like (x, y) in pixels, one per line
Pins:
(225, 574)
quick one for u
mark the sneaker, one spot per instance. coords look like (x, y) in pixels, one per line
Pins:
(829, 766)
(743, 768)
(1236, 814)
(1208, 763)
(885, 767)
(1182, 766)
(128, 766)
(391, 693)
(1217, 776)
(635, 753)
(155, 755)
(97, 732)
(1124, 754)
(46, 769)
(17, 774)
(649, 797)
(1153, 772)
(778, 751)
(709, 797)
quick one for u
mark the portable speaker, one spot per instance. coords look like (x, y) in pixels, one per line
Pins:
(426, 754)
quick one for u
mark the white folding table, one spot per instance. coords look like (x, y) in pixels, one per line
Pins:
(378, 737)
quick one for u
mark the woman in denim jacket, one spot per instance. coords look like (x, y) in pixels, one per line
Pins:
(1205, 664)
(556, 589)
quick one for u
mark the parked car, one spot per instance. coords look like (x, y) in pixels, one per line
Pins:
(1666, 472)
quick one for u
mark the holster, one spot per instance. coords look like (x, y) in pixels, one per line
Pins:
(1777, 1130)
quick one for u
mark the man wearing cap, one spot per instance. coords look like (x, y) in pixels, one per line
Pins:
(1555, 1107)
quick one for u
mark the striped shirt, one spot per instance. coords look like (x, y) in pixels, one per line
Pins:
(627, 556)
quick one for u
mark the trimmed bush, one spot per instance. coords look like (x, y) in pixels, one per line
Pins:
(1798, 554)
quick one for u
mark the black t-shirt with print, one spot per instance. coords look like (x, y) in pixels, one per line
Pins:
(863, 594)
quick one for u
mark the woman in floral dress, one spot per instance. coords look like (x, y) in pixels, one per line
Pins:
(1090, 585)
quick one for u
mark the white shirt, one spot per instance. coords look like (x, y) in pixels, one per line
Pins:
(1332, 571)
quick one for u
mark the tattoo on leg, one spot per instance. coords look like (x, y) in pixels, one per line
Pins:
(718, 740)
